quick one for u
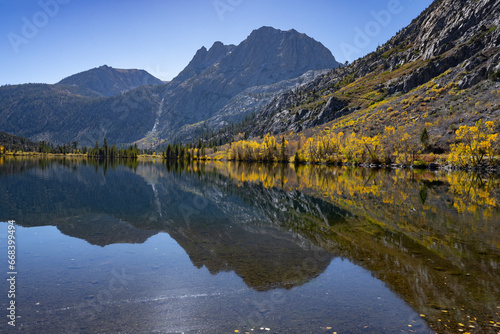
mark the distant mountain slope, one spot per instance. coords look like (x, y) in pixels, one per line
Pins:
(76, 110)
(57, 114)
(10, 142)
(442, 69)
(33, 109)
(108, 81)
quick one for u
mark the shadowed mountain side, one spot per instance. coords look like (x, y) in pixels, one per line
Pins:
(202, 60)
(14, 143)
(103, 230)
(264, 258)
(249, 101)
(119, 206)
(57, 114)
(206, 88)
(219, 85)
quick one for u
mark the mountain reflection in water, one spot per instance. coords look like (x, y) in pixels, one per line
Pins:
(432, 237)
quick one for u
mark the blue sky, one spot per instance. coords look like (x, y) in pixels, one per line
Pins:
(44, 41)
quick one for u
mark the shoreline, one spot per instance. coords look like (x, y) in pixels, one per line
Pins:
(429, 166)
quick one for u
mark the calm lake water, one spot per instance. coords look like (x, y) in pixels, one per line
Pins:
(148, 247)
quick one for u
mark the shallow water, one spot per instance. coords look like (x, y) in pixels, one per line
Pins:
(215, 248)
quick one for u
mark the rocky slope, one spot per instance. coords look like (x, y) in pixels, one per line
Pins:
(249, 101)
(445, 64)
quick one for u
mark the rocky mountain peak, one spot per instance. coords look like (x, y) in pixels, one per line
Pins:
(217, 52)
(215, 76)
(109, 81)
(263, 32)
(269, 53)
(203, 59)
(199, 55)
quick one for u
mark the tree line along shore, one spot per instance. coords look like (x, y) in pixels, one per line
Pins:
(476, 147)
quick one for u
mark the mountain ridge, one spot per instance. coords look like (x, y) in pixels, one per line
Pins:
(220, 85)
(203, 59)
(108, 81)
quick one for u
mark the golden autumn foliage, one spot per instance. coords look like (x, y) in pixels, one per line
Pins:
(472, 192)
(476, 145)
(268, 150)
(401, 189)
(393, 145)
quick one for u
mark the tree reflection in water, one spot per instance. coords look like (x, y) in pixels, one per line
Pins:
(432, 237)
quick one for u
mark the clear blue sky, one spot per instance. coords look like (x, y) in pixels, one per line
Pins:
(44, 41)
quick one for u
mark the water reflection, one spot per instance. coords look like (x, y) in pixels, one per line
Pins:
(432, 237)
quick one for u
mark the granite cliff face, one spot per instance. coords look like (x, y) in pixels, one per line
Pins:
(265, 62)
(447, 24)
(202, 60)
(448, 33)
(452, 43)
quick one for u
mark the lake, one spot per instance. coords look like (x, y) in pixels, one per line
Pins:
(224, 247)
